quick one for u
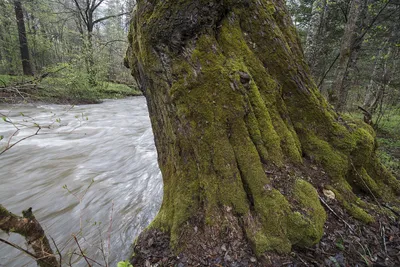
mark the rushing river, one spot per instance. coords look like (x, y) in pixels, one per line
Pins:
(110, 144)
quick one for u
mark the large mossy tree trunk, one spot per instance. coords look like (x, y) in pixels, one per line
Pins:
(238, 124)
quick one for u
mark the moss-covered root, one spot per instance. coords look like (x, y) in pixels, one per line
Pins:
(227, 237)
(235, 113)
(284, 225)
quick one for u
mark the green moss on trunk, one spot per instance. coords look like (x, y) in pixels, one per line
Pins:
(230, 99)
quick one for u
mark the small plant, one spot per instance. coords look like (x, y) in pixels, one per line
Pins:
(124, 264)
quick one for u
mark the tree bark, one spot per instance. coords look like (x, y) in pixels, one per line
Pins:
(315, 35)
(30, 228)
(378, 85)
(23, 41)
(238, 122)
(349, 46)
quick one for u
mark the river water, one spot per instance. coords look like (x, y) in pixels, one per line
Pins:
(107, 147)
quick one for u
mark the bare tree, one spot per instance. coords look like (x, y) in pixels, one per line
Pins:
(87, 11)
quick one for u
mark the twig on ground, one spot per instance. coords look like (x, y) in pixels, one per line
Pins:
(334, 213)
(391, 209)
(303, 261)
(382, 230)
(320, 251)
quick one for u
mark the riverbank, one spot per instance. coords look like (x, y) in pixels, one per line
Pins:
(61, 90)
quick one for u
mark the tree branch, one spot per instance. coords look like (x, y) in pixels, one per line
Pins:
(94, 7)
(109, 17)
(30, 228)
(82, 253)
(18, 247)
(80, 10)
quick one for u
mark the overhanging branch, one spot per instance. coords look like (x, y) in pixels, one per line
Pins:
(109, 17)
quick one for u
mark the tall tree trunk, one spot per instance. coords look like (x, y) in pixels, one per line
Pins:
(90, 59)
(372, 89)
(237, 122)
(23, 41)
(378, 85)
(315, 35)
(347, 57)
(376, 100)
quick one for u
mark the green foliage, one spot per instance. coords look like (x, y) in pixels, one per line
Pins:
(339, 244)
(69, 86)
(7, 80)
(54, 37)
(110, 90)
(389, 141)
(391, 162)
(124, 264)
(389, 124)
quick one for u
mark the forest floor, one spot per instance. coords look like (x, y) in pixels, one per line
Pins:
(60, 90)
(346, 241)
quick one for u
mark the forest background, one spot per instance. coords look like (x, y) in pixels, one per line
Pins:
(64, 51)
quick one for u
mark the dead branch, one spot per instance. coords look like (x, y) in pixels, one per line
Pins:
(367, 115)
(334, 213)
(30, 228)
